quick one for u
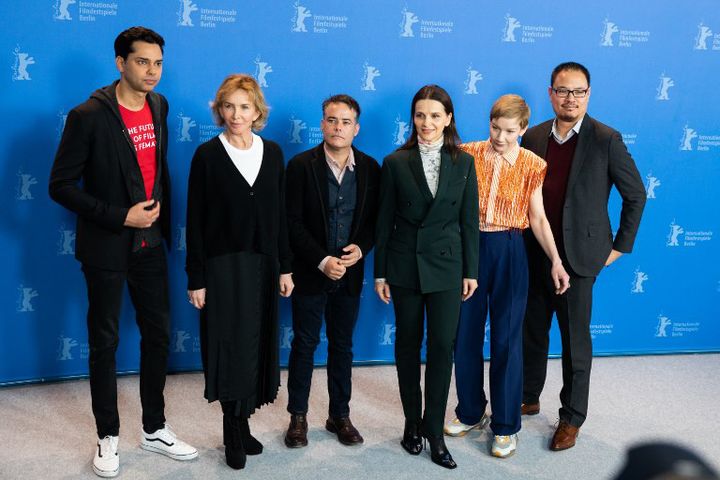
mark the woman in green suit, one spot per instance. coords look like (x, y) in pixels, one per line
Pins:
(426, 257)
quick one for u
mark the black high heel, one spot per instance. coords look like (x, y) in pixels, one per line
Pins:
(412, 441)
(438, 451)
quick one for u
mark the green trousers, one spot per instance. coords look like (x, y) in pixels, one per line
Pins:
(442, 310)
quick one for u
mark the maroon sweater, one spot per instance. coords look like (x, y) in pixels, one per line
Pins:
(559, 159)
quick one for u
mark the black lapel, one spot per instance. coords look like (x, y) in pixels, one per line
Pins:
(542, 151)
(361, 173)
(155, 104)
(586, 131)
(128, 163)
(446, 166)
(544, 139)
(417, 170)
(319, 167)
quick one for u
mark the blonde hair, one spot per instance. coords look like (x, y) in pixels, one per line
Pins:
(241, 81)
(511, 106)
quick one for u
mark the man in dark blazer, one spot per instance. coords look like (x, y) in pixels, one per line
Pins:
(331, 208)
(111, 170)
(585, 160)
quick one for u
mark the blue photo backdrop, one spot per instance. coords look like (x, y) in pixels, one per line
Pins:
(654, 72)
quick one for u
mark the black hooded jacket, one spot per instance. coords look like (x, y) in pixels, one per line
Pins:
(96, 175)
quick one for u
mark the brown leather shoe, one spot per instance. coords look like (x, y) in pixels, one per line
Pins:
(565, 436)
(347, 434)
(530, 408)
(296, 435)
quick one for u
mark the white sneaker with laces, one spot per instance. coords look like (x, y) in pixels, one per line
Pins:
(504, 445)
(107, 462)
(455, 428)
(165, 441)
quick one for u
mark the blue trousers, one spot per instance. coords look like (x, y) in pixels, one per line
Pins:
(502, 288)
(340, 310)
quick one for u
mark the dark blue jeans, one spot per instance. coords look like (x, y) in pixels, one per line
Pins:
(147, 282)
(340, 310)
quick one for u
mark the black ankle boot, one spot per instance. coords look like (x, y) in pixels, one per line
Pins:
(251, 444)
(234, 452)
(439, 453)
(412, 441)
(226, 428)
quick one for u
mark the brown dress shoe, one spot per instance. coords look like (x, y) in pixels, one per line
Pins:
(564, 437)
(296, 435)
(347, 434)
(530, 408)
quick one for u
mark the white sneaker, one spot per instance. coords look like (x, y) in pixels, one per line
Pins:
(455, 428)
(107, 462)
(164, 441)
(504, 445)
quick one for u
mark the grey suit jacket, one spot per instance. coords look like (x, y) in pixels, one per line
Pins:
(601, 161)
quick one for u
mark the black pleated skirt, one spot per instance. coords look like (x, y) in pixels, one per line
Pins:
(239, 331)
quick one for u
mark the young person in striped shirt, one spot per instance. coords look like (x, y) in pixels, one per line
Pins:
(510, 182)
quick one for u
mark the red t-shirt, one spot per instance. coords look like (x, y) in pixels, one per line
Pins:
(141, 130)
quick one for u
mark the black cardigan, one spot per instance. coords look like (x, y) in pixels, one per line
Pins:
(226, 215)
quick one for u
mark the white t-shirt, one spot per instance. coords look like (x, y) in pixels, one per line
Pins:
(248, 161)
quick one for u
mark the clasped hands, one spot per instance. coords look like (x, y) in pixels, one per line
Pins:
(336, 267)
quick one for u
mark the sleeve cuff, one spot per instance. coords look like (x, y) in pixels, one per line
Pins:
(323, 262)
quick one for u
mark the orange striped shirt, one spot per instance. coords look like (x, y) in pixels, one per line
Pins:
(505, 184)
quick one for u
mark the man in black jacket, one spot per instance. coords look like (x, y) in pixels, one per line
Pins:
(111, 170)
(585, 159)
(331, 208)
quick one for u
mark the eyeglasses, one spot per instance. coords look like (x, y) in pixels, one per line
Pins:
(564, 92)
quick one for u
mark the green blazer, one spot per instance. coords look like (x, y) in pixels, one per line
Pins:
(429, 244)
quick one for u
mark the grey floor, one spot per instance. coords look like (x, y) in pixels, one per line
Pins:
(47, 431)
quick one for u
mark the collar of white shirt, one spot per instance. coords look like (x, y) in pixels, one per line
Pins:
(574, 130)
(335, 165)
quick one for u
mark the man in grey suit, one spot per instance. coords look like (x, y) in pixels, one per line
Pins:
(585, 160)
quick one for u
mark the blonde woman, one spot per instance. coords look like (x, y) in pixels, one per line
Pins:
(238, 260)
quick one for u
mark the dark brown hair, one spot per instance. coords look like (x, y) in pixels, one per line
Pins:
(124, 41)
(451, 139)
(343, 98)
(572, 66)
